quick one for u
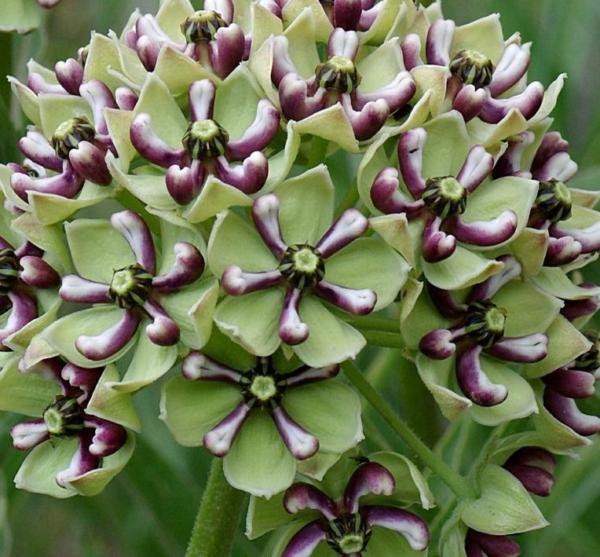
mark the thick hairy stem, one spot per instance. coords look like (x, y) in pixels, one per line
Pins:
(218, 517)
(453, 480)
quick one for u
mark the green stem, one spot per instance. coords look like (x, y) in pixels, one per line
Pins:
(453, 480)
(370, 322)
(383, 338)
(318, 151)
(218, 517)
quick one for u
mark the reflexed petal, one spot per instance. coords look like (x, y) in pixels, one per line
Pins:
(221, 437)
(348, 227)
(486, 233)
(201, 96)
(410, 155)
(527, 103)
(27, 435)
(409, 525)
(199, 366)
(152, 147)
(565, 410)
(304, 496)
(83, 461)
(477, 167)
(265, 213)
(187, 268)
(137, 234)
(527, 349)
(292, 330)
(37, 273)
(76, 289)
(67, 184)
(163, 330)
(388, 199)
(356, 302)
(23, 310)
(304, 542)
(439, 41)
(510, 68)
(475, 383)
(249, 176)
(299, 442)
(258, 135)
(368, 479)
(437, 245)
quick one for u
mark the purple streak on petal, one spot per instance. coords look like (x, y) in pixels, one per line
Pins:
(303, 496)
(150, 146)
(148, 52)
(445, 302)
(201, 97)
(476, 168)
(137, 234)
(527, 349)
(227, 50)
(343, 43)
(26, 435)
(67, 184)
(352, 224)
(510, 69)
(223, 7)
(387, 197)
(469, 101)
(565, 411)
(82, 462)
(353, 300)
(37, 273)
(163, 330)
(307, 375)
(197, 365)
(528, 103)
(83, 380)
(486, 545)
(367, 121)
(23, 310)
(296, 100)
(98, 96)
(552, 144)
(87, 160)
(126, 99)
(346, 14)
(299, 442)
(368, 16)
(439, 343)
(510, 164)
(83, 291)
(219, 439)
(439, 41)
(534, 467)
(236, 282)
(368, 479)
(396, 93)
(474, 382)
(291, 328)
(247, 177)
(272, 5)
(489, 288)
(258, 135)
(108, 437)
(571, 383)
(562, 251)
(581, 308)
(411, 51)
(37, 148)
(413, 528)
(104, 345)
(40, 86)
(437, 245)
(589, 237)
(410, 156)
(187, 267)
(265, 214)
(183, 184)
(282, 63)
(305, 541)
(558, 167)
(26, 248)
(485, 233)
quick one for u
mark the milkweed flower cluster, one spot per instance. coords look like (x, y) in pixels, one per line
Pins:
(240, 197)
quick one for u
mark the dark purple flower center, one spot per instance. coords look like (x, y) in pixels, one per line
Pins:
(348, 534)
(202, 26)
(445, 196)
(590, 361)
(63, 417)
(338, 74)
(262, 386)
(485, 323)
(472, 68)
(70, 134)
(9, 270)
(130, 286)
(205, 140)
(302, 266)
(554, 200)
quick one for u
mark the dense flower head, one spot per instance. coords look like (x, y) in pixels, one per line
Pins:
(252, 197)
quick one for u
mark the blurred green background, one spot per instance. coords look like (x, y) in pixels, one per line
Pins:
(148, 510)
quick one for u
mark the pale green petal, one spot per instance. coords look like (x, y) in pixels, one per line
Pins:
(423, 319)
(374, 159)
(259, 462)
(556, 282)
(318, 465)
(331, 124)
(520, 402)
(252, 320)
(384, 543)
(214, 197)
(192, 408)
(265, 515)
(565, 344)
(530, 250)
(294, 8)
(97, 249)
(369, 263)
(381, 66)
(329, 410)
(483, 35)
(395, 231)
(330, 340)
(20, 340)
(171, 15)
(504, 506)
(529, 310)
(20, 15)
(119, 124)
(301, 34)
(25, 393)
(56, 109)
(281, 163)
(234, 241)
(446, 147)
(27, 99)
